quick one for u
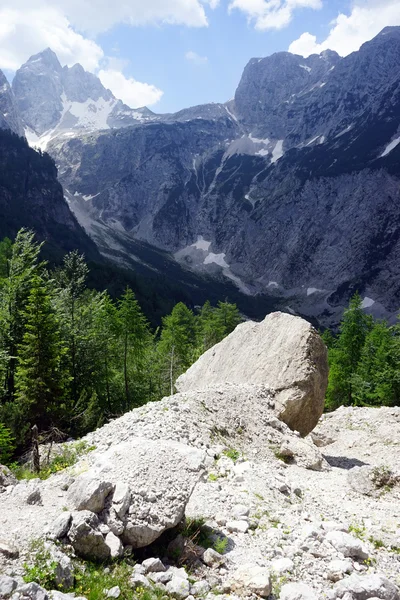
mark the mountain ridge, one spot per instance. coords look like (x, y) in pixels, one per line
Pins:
(268, 190)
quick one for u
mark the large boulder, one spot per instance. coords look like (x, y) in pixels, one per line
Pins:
(284, 353)
(151, 483)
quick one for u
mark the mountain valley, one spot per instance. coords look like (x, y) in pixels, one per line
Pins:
(289, 192)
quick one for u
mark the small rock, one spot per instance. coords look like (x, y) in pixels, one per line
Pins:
(367, 587)
(153, 565)
(240, 510)
(60, 526)
(7, 586)
(63, 567)
(321, 439)
(34, 497)
(178, 588)
(121, 499)
(115, 545)
(32, 591)
(137, 580)
(297, 591)
(8, 550)
(237, 526)
(89, 493)
(161, 577)
(338, 568)
(212, 558)
(6, 478)
(114, 592)
(282, 565)
(85, 537)
(347, 544)
(255, 579)
(200, 588)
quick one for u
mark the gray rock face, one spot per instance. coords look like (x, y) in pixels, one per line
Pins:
(9, 115)
(55, 99)
(284, 353)
(298, 152)
(290, 190)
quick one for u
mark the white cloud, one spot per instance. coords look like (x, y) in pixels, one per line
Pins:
(69, 27)
(134, 93)
(195, 58)
(366, 19)
(99, 15)
(27, 31)
(272, 14)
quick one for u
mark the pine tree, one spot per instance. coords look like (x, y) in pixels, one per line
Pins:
(41, 381)
(20, 265)
(177, 345)
(135, 339)
(345, 355)
(227, 317)
(373, 382)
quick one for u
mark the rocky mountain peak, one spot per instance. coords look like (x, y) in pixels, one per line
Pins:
(46, 58)
(270, 82)
(55, 100)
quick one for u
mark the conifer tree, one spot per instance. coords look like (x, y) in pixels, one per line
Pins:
(135, 339)
(177, 345)
(346, 353)
(41, 381)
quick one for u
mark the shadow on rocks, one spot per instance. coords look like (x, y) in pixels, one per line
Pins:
(341, 462)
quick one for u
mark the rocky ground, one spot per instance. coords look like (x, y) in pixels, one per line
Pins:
(292, 518)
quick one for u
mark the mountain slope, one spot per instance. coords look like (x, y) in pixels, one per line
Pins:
(9, 114)
(31, 197)
(290, 190)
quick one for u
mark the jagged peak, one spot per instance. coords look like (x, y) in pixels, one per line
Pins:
(46, 57)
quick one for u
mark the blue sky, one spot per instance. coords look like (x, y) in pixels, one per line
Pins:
(158, 54)
(170, 54)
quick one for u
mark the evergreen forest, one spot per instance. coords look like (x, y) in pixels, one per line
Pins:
(72, 358)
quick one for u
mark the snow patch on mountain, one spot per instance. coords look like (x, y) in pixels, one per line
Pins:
(201, 244)
(367, 302)
(277, 151)
(390, 147)
(218, 259)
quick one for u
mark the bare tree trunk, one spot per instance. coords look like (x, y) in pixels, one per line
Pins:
(171, 371)
(35, 450)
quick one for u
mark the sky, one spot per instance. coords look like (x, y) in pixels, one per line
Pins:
(171, 54)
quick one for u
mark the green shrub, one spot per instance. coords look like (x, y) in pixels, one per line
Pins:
(6, 444)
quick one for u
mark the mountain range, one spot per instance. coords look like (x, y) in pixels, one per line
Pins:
(290, 191)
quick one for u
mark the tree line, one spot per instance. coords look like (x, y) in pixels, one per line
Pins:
(364, 360)
(71, 358)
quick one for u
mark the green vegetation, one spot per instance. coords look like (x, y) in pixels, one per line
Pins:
(358, 530)
(94, 581)
(91, 580)
(232, 454)
(364, 361)
(197, 532)
(6, 444)
(42, 569)
(72, 358)
(65, 458)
